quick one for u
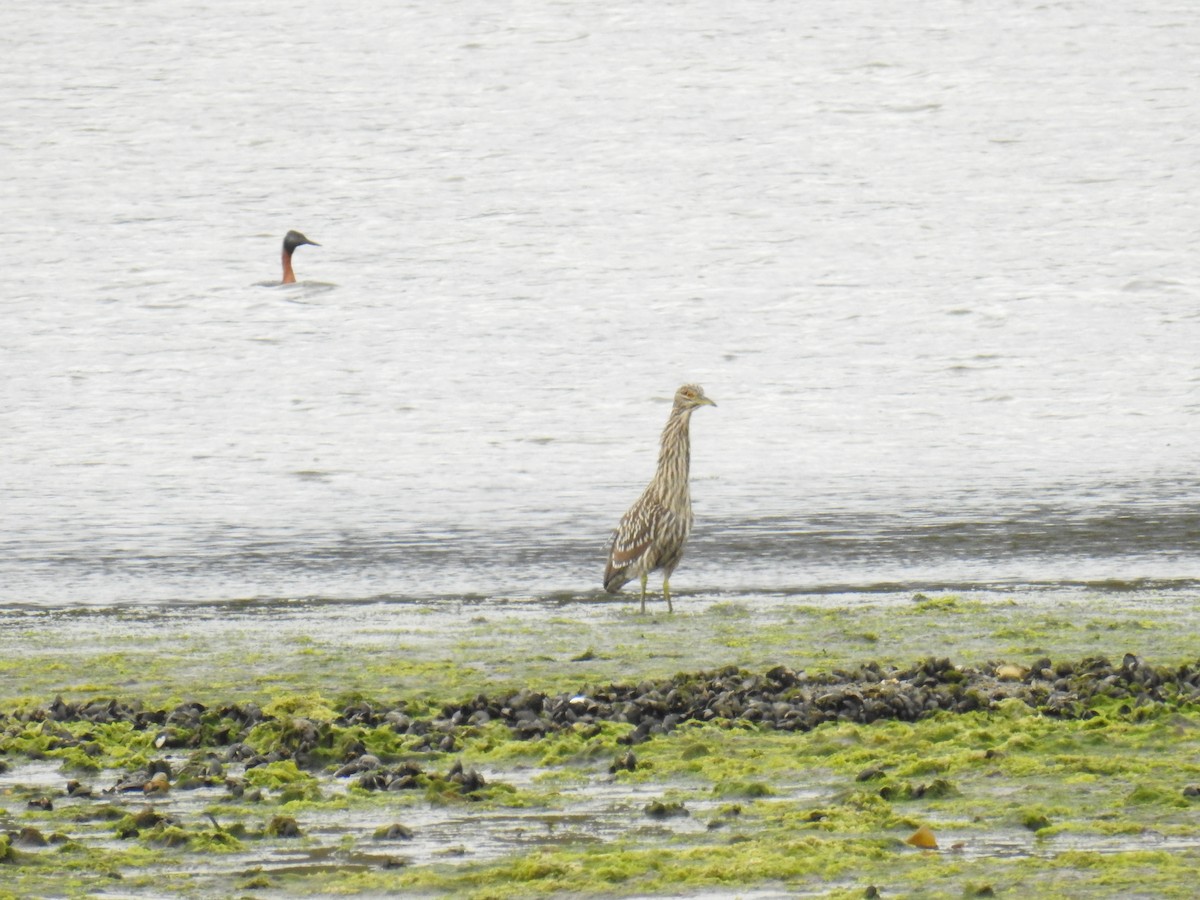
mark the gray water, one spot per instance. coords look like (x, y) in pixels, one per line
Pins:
(936, 263)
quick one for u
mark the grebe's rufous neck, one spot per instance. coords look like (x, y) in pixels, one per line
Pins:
(291, 241)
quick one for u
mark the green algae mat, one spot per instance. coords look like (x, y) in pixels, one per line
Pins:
(1039, 742)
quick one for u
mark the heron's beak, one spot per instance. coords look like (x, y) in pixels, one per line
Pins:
(704, 401)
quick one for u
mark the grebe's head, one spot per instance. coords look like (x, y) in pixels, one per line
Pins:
(294, 239)
(691, 396)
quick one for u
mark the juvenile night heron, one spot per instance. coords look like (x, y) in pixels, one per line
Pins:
(653, 532)
(291, 241)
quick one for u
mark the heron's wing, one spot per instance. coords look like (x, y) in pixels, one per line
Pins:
(636, 534)
(625, 553)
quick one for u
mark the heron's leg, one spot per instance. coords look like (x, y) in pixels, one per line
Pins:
(644, 577)
(667, 592)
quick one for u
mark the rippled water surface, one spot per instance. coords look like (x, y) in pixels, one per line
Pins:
(936, 265)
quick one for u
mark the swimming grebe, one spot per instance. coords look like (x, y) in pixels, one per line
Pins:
(291, 241)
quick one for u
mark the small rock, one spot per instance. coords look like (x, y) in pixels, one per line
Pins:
(365, 763)
(469, 781)
(284, 827)
(657, 809)
(147, 817)
(1035, 821)
(394, 832)
(29, 837)
(922, 838)
(626, 762)
(170, 737)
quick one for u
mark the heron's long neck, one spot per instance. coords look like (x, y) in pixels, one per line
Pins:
(289, 276)
(674, 457)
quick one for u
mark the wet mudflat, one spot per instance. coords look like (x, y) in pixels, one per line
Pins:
(762, 745)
